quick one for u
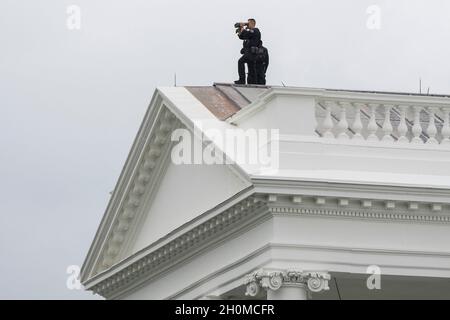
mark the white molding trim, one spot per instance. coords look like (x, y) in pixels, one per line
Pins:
(441, 148)
(372, 191)
(150, 193)
(138, 181)
(143, 179)
(96, 247)
(231, 219)
(325, 94)
(359, 214)
(228, 222)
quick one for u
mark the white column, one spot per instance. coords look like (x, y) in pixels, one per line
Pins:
(289, 292)
(211, 297)
(286, 285)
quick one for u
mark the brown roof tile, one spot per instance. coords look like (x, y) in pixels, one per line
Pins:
(215, 101)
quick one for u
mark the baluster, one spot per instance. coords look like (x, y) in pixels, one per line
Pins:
(387, 126)
(417, 128)
(445, 132)
(357, 124)
(372, 127)
(402, 127)
(432, 130)
(328, 121)
(343, 123)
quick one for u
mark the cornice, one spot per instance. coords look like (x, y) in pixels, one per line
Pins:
(187, 244)
(253, 207)
(359, 208)
(360, 214)
(140, 170)
(144, 174)
(144, 129)
(373, 191)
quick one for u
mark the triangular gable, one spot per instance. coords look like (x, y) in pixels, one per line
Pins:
(136, 203)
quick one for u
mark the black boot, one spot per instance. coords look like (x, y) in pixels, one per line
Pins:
(240, 81)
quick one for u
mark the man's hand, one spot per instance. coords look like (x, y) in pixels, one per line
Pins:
(243, 28)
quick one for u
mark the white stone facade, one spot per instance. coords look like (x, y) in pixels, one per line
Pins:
(362, 183)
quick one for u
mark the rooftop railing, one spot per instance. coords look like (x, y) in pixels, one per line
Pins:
(343, 119)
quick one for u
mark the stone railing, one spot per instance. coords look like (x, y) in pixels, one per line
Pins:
(383, 122)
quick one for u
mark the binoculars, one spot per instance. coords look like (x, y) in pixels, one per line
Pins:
(238, 25)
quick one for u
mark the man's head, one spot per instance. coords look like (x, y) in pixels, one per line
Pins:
(251, 23)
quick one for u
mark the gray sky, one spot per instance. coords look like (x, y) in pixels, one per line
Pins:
(71, 101)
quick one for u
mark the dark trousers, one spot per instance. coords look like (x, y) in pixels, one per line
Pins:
(260, 72)
(250, 60)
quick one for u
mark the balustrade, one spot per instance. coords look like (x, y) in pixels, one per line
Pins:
(384, 122)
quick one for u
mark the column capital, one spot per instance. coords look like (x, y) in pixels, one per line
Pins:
(274, 280)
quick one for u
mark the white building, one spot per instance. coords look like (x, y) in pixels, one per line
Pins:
(358, 183)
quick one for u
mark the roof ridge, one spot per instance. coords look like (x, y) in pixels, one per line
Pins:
(334, 89)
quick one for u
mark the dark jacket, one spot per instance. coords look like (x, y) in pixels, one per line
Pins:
(263, 57)
(251, 37)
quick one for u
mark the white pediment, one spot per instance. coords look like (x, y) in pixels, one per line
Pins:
(154, 196)
(185, 192)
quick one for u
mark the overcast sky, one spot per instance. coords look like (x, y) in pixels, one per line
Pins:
(71, 101)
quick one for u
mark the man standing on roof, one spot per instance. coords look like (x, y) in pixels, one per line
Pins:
(262, 63)
(252, 41)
